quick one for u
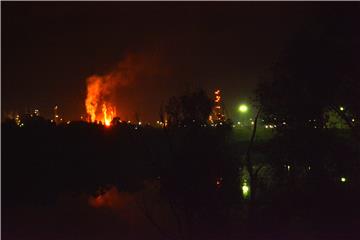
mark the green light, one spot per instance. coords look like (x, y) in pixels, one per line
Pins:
(341, 108)
(245, 190)
(343, 179)
(243, 108)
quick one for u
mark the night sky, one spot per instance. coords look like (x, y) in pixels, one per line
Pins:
(49, 49)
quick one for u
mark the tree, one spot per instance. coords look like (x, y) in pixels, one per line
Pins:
(189, 109)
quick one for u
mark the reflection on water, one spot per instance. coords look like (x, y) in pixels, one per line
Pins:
(110, 198)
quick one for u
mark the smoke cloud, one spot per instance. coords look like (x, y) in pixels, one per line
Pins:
(103, 90)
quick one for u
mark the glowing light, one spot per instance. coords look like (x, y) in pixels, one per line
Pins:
(217, 98)
(98, 88)
(342, 109)
(343, 179)
(108, 114)
(245, 190)
(288, 167)
(139, 123)
(243, 108)
(353, 120)
(219, 181)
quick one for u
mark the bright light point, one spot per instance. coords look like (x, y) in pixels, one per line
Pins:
(343, 179)
(288, 167)
(353, 120)
(341, 108)
(139, 123)
(243, 108)
(245, 190)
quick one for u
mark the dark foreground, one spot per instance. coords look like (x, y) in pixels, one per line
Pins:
(88, 182)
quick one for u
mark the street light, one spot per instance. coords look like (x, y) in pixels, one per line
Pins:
(245, 190)
(243, 108)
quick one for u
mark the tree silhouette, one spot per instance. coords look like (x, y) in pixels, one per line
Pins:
(318, 73)
(189, 109)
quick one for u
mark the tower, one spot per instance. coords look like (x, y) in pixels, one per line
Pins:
(56, 115)
(218, 114)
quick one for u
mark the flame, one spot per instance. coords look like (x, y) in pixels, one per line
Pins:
(108, 114)
(98, 89)
(93, 94)
(103, 89)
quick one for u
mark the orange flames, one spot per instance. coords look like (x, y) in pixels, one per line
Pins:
(97, 106)
(108, 113)
(102, 89)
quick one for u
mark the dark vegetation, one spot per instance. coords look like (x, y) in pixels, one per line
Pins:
(41, 161)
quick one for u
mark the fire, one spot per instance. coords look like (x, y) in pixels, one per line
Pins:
(97, 106)
(108, 114)
(102, 90)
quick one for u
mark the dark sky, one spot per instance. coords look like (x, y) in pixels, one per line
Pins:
(49, 49)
